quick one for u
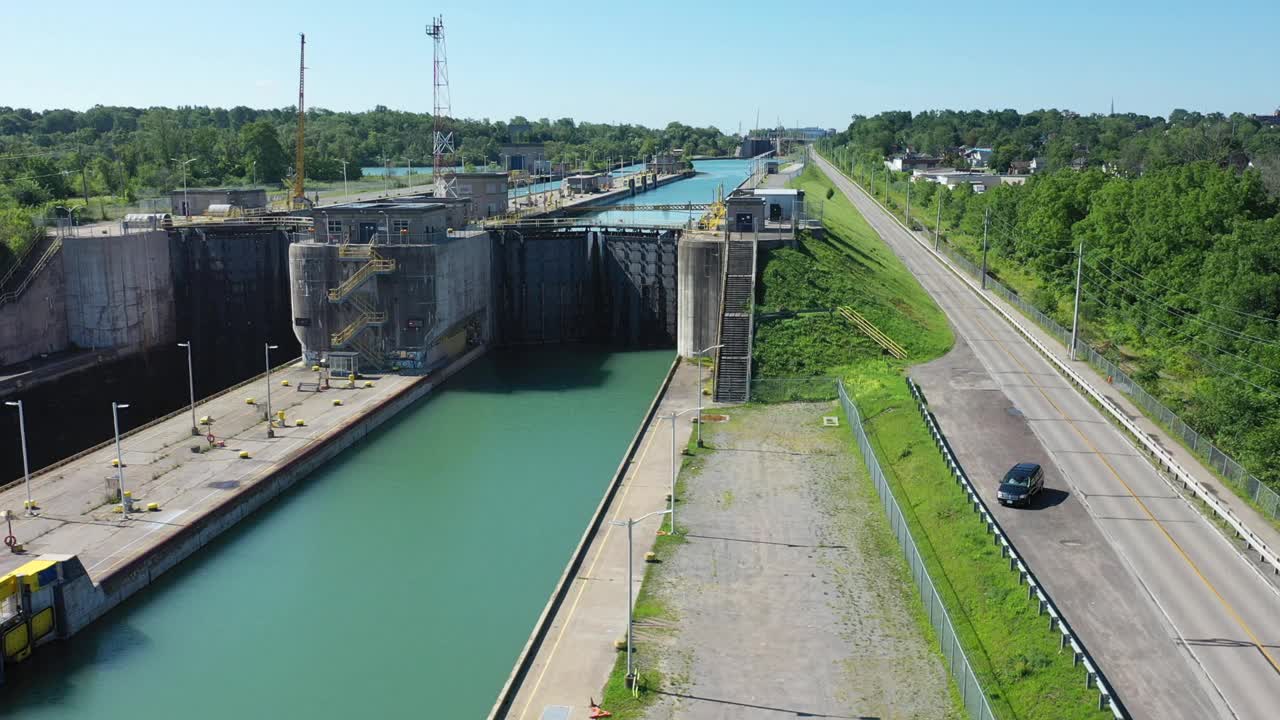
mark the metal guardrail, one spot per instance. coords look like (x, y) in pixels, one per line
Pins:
(971, 692)
(1251, 540)
(1035, 591)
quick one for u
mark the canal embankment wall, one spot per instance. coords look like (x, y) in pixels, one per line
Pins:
(82, 601)
(524, 661)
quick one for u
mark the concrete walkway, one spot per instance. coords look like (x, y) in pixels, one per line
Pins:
(575, 659)
(77, 515)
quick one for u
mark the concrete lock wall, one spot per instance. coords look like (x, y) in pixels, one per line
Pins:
(701, 265)
(36, 322)
(119, 293)
(231, 289)
(464, 286)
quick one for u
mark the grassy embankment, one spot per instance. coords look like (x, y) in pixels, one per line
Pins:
(1015, 656)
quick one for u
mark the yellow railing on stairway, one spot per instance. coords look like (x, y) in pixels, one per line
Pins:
(365, 319)
(873, 332)
(366, 271)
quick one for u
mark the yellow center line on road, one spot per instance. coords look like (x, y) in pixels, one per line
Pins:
(1253, 638)
(582, 586)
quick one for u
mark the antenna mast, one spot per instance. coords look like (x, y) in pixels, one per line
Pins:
(299, 194)
(441, 141)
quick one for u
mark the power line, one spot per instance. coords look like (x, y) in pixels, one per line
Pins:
(1183, 293)
(34, 154)
(1178, 312)
(1186, 334)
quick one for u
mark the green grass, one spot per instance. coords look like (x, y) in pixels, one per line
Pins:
(1014, 654)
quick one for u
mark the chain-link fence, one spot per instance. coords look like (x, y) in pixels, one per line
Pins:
(971, 692)
(804, 389)
(1267, 500)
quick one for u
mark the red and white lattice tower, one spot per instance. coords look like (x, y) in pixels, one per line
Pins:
(441, 141)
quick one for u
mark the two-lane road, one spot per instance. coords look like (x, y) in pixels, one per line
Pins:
(1209, 625)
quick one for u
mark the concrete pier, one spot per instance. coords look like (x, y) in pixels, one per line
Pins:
(201, 489)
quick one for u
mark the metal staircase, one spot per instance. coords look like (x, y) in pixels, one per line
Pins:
(374, 265)
(733, 368)
(363, 312)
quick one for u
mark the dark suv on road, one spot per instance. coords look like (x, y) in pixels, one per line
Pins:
(1022, 482)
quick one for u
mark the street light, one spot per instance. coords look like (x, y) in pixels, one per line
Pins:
(191, 386)
(266, 355)
(629, 523)
(345, 189)
(186, 203)
(702, 353)
(115, 419)
(26, 471)
(674, 414)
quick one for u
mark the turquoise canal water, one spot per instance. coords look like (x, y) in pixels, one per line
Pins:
(400, 581)
(700, 188)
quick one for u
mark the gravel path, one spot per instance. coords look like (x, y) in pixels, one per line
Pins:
(790, 597)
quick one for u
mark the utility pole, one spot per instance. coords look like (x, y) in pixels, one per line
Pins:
(986, 223)
(937, 226)
(908, 203)
(1075, 315)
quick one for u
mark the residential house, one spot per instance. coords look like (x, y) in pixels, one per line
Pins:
(978, 157)
(910, 161)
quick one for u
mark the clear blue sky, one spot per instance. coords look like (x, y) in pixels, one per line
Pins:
(648, 61)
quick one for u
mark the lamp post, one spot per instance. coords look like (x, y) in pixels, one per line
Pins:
(672, 417)
(191, 387)
(702, 353)
(630, 523)
(345, 189)
(115, 419)
(26, 471)
(266, 355)
(186, 202)
(327, 239)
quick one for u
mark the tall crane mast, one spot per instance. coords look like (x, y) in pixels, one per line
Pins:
(299, 199)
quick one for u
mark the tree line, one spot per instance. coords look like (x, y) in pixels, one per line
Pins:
(129, 152)
(1124, 144)
(1181, 260)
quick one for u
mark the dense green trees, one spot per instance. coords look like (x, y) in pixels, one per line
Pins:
(1127, 144)
(123, 151)
(1181, 270)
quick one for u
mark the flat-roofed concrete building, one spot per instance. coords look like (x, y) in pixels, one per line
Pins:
(487, 192)
(529, 157)
(583, 184)
(382, 222)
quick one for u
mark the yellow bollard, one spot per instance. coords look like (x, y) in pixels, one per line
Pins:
(250, 401)
(118, 509)
(280, 415)
(337, 401)
(352, 377)
(30, 505)
(244, 454)
(315, 368)
(368, 383)
(153, 507)
(284, 383)
(115, 462)
(206, 420)
(299, 422)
